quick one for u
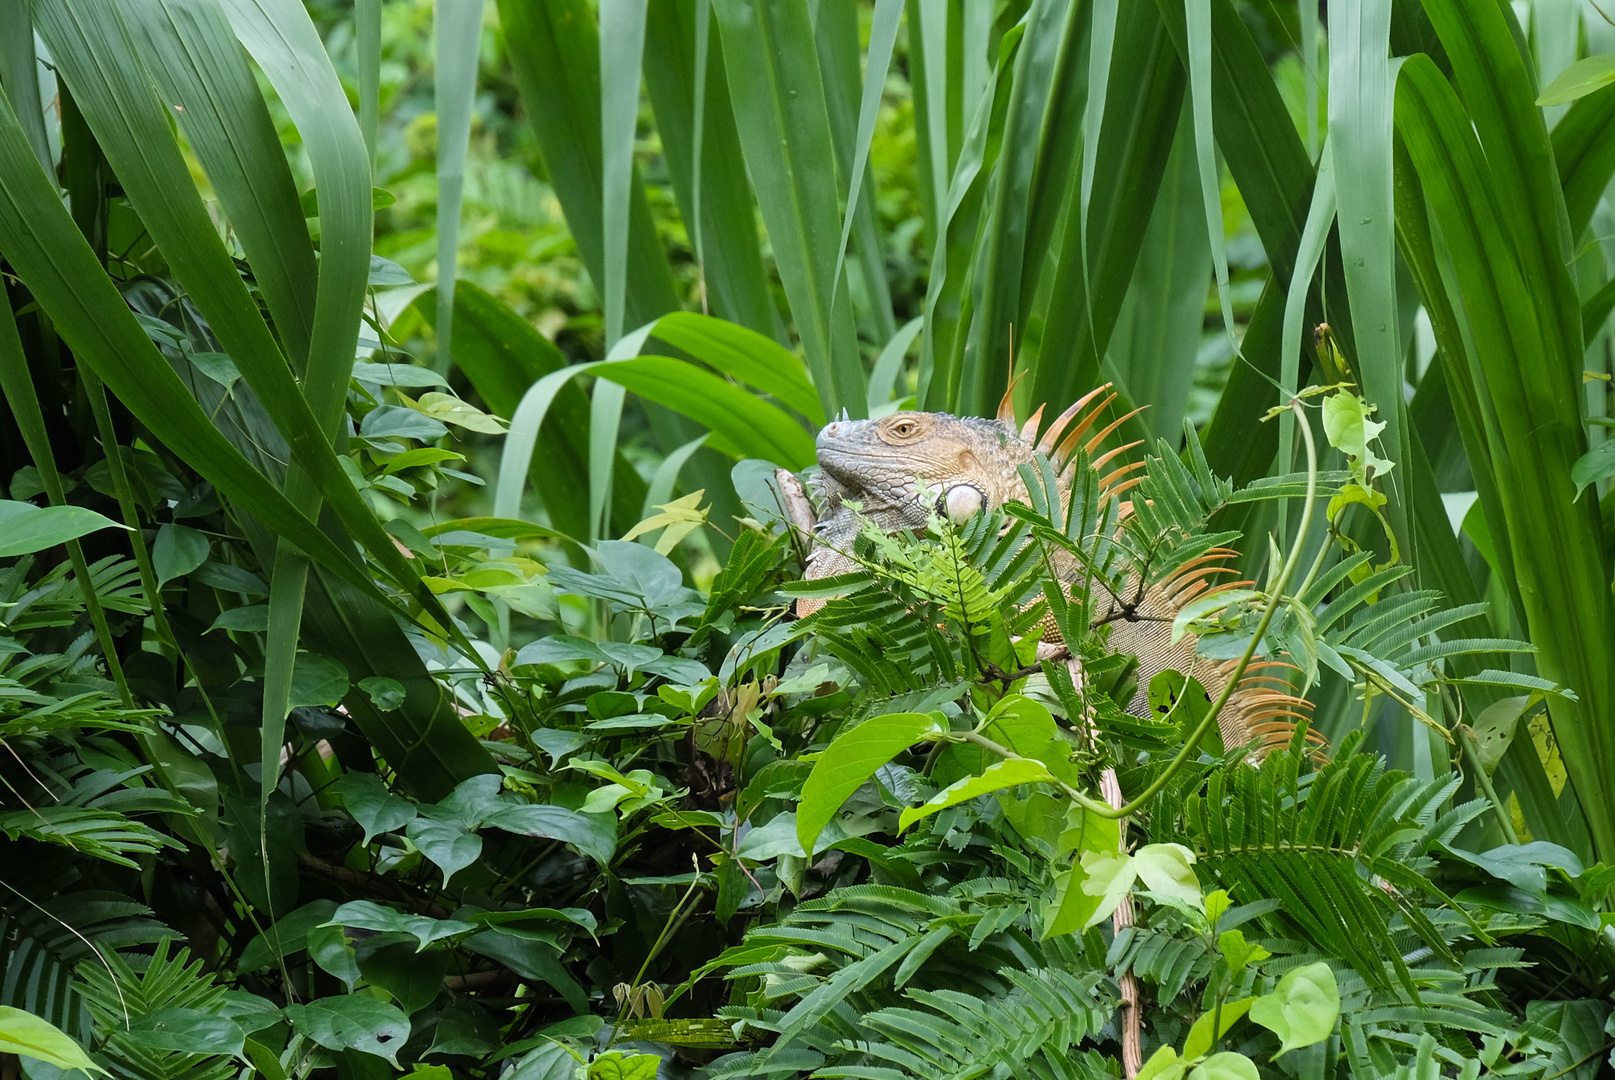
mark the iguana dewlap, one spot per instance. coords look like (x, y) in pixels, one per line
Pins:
(903, 468)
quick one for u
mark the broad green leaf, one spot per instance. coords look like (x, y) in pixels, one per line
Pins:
(318, 680)
(848, 763)
(1108, 876)
(250, 618)
(177, 551)
(1167, 869)
(1595, 465)
(1302, 1009)
(1070, 910)
(288, 935)
(187, 1031)
(742, 425)
(330, 948)
(1580, 79)
(1521, 372)
(689, 90)
(457, 36)
(1002, 774)
(385, 693)
(619, 1065)
(1494, 729)
(459, 412)
(1524, 865)
(366, 915)
(353, 1022)
(28, 1035)
(46, 250)
(1235, 949)
(227, 125)
(1200, 1038)
(782, 117)
(1164, 1064)
(1225, 1066)
(1361, 135)
(450, 847)
(554, 51)
(508, 921)
(593, 834)
(412, 979)
(26, 528)
(744, 355)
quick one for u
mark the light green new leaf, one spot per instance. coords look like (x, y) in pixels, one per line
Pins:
(1580, 79)
(998, 776)
(1109, 876)
(1164, 1064)
(1167, 869)
(1225, 1066)
(1303, 1007)
(1200, 1038)
(848, 763)
(28, 1035)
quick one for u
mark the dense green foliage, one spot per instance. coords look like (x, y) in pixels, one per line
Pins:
(399, 669)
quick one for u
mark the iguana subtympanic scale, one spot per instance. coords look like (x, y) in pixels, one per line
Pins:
(903, 468)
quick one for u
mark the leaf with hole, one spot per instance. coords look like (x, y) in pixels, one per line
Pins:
(353, 1022)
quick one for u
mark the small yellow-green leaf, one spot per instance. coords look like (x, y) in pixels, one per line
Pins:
(452, 410)
(1167, 871)
(1303, 1007)
(1110, 877)
(1237, 951)
(1200, 1038)
(1164, 1064)
(1225, 1066)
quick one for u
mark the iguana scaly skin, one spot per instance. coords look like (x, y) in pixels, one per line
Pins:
(902, 468)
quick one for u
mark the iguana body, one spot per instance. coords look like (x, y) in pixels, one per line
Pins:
(903, 468)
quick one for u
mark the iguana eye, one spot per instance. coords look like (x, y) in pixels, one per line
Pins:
(904, 428)
(961, 502)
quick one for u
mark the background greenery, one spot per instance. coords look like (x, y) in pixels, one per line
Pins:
(393, 392)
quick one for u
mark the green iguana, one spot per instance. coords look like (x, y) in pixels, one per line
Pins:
(905, 467)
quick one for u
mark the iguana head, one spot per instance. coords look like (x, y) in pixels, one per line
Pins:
(904, 466)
